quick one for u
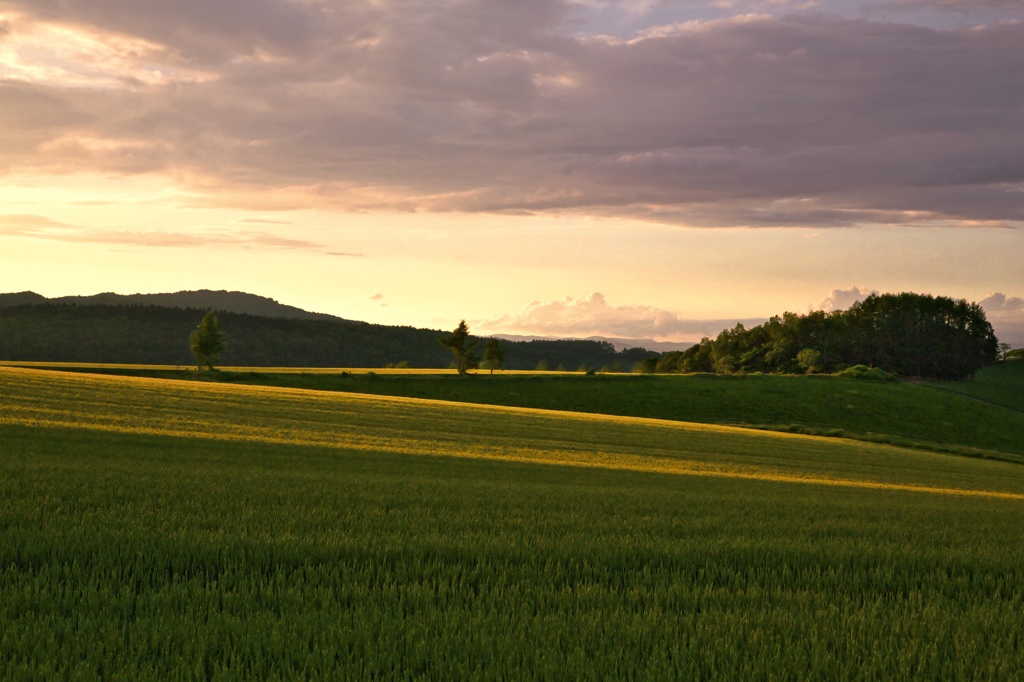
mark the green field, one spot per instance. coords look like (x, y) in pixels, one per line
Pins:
(164, 529)
(981, 418)
(1001, 385)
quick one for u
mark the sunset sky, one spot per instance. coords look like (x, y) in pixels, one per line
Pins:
(638, 168)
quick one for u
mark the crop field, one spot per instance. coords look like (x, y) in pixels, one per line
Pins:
(115, 368)
(155, 529)
(127, 369)
(981, 418)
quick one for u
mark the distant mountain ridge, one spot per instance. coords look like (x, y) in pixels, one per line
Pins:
(203, 299)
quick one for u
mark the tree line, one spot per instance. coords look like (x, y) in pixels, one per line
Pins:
(147, 334)
(909, 335)
(906, 334)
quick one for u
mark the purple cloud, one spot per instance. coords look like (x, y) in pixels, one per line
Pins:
(491, 106)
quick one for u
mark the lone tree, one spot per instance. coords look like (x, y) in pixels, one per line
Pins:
(494, 358)
(459, 344)
(207, 342)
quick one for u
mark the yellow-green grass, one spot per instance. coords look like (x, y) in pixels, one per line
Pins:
(1001, 384)
(428, 427)
(906, 413)
(154, 529)
(397, 371)
(102, 367)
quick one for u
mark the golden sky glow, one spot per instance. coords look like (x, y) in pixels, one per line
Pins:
(648, 170)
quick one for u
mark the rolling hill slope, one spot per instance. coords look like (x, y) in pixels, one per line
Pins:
(945, 416)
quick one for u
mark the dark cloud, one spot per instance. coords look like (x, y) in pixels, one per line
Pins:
(968, 6)
(494, 106)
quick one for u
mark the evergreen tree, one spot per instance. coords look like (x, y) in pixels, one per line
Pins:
(207, 342)
(494, 358)
(459, 343)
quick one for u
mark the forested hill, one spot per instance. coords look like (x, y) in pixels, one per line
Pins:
(227, 301)
(152, 334)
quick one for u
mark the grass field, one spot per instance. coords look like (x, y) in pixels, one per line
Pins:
(981, 418)
(175, 370)
(162, 529)
(1001, 385)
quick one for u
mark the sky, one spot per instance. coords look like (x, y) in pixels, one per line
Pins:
(633, 168)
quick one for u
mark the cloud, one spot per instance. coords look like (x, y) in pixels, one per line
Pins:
(377, 297)
(1006, 315)
(841, 299)
(997, 302)
(593, 316)
(265, 222)
(966, 6)
(494, 106)
(27, 224)
(40, 227)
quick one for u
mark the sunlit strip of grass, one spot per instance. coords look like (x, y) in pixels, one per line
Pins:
(273, 370)
(397, 371)
(597, 460)
(425, 427)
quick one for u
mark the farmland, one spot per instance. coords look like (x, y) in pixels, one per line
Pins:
(154, 528)
(981, 418)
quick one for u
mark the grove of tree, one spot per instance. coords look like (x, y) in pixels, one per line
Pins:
(910, 335)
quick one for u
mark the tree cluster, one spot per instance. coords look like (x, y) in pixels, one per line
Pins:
(911, 335)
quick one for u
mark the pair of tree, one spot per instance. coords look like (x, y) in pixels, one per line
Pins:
(462, 346)
(207, 342)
